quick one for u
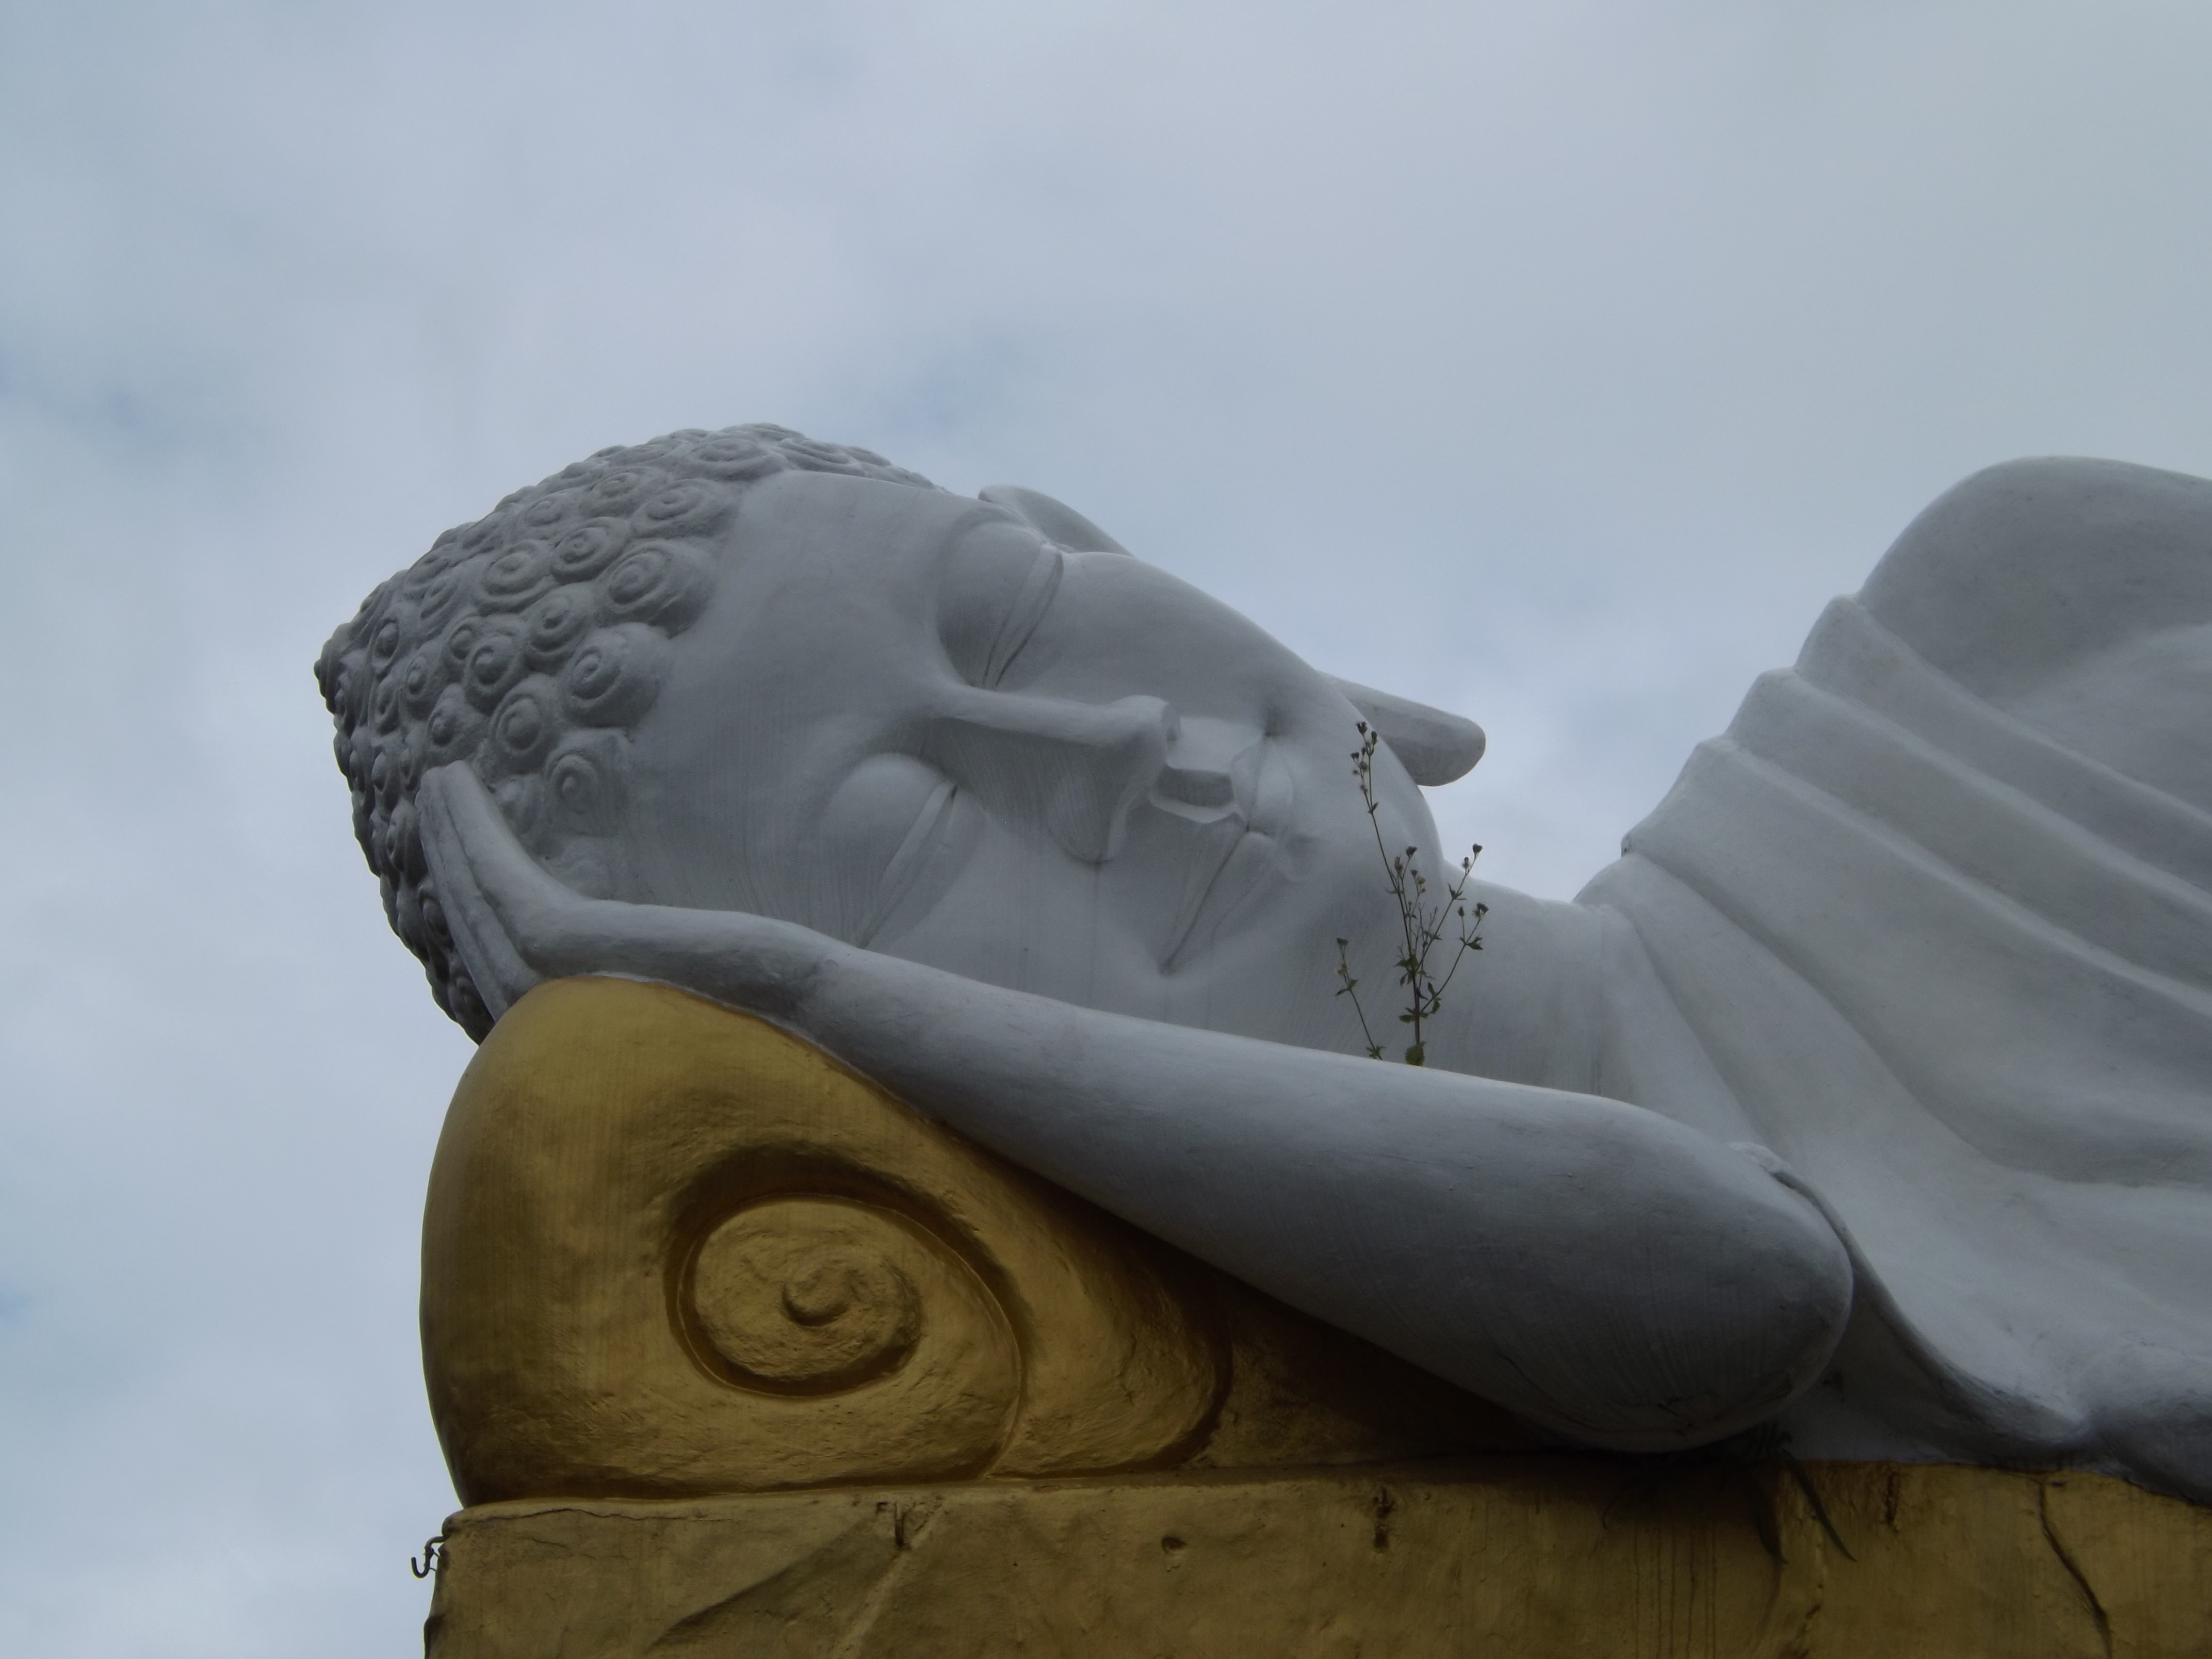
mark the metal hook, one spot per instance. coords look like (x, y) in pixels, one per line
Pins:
(432, 1556)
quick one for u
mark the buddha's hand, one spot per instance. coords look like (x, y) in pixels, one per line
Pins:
(515, 925)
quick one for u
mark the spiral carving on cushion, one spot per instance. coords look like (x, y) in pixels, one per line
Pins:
(804, 1295)
(786, 1278)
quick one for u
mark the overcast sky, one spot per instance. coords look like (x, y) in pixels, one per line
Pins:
(1552, 363)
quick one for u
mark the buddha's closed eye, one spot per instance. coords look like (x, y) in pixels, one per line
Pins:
(898, 831)
(997, 588)
(1029, 607)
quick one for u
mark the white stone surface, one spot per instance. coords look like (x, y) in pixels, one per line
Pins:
(1893, 1026)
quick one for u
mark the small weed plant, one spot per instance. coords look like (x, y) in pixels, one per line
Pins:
(1424, 923)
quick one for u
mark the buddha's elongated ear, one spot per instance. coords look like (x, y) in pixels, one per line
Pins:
(1433, 747)
(1061, 522)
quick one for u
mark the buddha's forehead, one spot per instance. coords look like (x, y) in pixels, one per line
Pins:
(826, 598)
(820, 538)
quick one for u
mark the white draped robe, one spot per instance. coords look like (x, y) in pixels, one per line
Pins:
(1934, 918)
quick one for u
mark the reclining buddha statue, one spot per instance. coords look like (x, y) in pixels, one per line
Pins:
(1870, 1092)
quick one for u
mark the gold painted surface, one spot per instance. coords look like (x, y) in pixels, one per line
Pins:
(669, 1249)
(1534, 1558)
(675, 1260)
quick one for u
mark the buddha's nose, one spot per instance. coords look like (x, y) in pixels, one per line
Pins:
(1073, 769)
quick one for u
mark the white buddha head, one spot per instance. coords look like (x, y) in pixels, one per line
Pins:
(746, 670)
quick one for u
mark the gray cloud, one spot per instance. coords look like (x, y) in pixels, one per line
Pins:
(1554, 364)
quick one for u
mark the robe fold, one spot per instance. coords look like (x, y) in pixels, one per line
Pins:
(1934, 917)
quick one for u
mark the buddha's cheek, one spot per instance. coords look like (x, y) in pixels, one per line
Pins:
(1026, 917)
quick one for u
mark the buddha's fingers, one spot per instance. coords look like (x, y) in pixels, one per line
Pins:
(472, 857)
(515, 925)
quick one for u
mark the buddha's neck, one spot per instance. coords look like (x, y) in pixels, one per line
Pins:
(1532, 1007)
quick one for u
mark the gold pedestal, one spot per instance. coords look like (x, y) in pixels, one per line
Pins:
(1534, 1558)
(733, 1354)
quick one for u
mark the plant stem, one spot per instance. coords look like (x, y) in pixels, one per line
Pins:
(1420, 930)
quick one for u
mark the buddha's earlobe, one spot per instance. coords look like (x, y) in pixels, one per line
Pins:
(1048, 517)
(1433, 747)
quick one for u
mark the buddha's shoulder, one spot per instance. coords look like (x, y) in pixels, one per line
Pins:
(2017, 576)
(2076, 597)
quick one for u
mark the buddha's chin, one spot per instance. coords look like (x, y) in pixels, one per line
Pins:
(1241, 885)
(1269, 971)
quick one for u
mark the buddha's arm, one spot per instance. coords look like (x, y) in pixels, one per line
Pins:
(1597, 1267)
